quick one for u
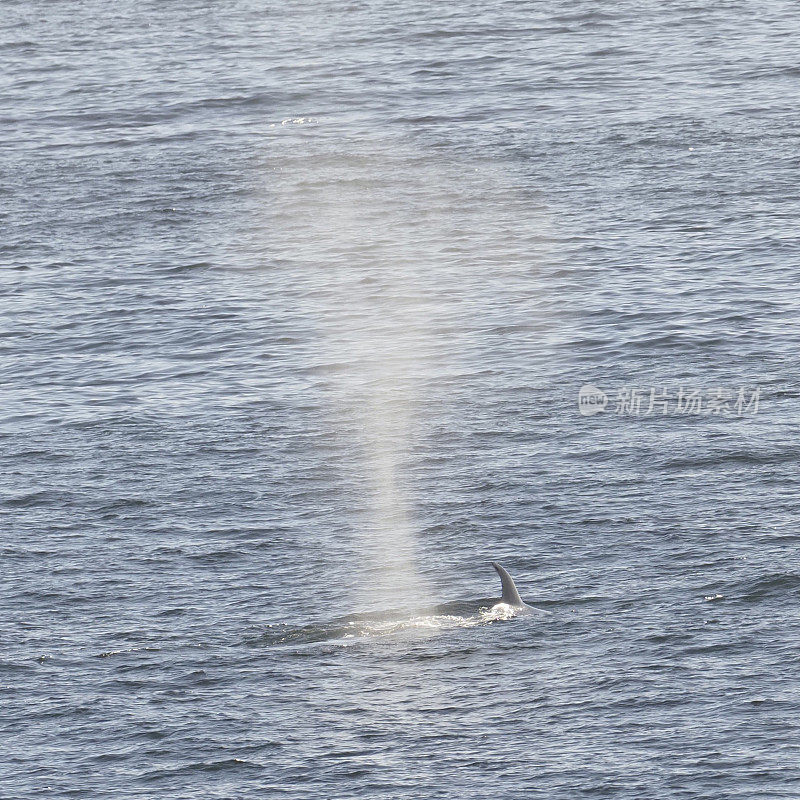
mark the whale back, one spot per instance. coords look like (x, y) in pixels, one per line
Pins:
(510, 593)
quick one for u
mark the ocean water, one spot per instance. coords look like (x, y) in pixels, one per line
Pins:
(298, 300)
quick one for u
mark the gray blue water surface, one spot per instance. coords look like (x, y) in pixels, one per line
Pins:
(297, 301)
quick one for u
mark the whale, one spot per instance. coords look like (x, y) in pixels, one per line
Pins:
(444, 616)
(511, 599)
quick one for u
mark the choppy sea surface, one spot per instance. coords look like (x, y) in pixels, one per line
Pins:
(297, 301)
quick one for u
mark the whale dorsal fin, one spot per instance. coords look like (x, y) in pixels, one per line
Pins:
(510, 593)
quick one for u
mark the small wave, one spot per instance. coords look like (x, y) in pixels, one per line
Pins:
(744, 457)
(295, 121)
(199, 766)
(776, 585)
(16, 666)
(33, 499)
(110, 653)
